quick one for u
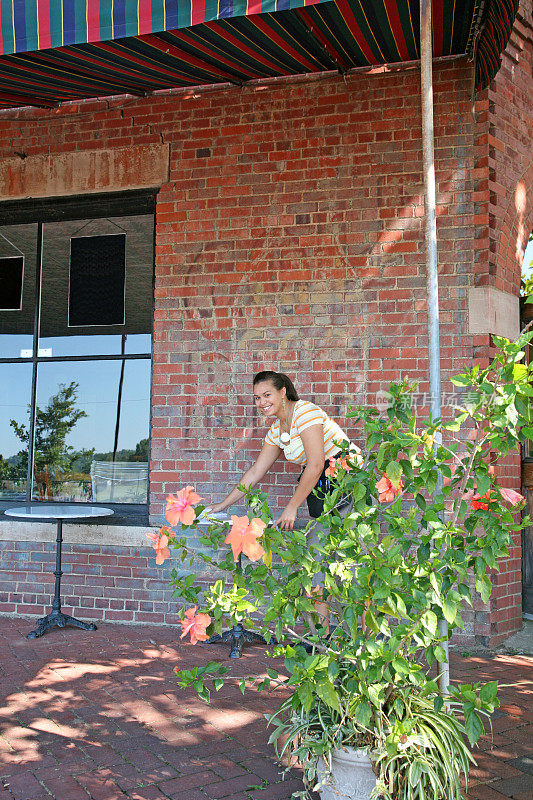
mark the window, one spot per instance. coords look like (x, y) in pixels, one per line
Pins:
(76, 307)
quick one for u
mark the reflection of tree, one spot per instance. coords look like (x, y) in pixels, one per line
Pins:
(7, 471)
(141, 451)
(52, 426)
(139, 454)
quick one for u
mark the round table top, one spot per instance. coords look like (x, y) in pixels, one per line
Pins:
(58, 511)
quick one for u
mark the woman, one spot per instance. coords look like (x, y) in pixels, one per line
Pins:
(300, 430)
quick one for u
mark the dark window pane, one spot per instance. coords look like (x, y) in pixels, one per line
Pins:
(18, 254)
(11, 275)
(96, 280)
(83, 333)
(15, 394)
(92, 428)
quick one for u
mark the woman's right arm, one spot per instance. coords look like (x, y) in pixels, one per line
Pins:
(269, 453)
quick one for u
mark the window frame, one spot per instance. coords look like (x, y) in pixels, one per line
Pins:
(40, 212)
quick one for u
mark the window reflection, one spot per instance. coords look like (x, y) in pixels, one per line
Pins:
(16, 324)
(91, 431)
(62, 339)
(15, 395)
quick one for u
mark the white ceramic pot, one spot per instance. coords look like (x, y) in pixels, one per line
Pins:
(352, 776)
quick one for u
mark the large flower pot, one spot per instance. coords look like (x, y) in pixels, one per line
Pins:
(352, 776)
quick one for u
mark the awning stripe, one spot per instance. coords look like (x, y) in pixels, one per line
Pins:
(233, 45)
(393, 17)
(19, 19)
(93, 20)
(39, 24)
(353, 27)
(192, 40)
(325, 41)
(268, 27)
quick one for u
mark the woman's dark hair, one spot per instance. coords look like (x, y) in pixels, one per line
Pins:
(280, 380)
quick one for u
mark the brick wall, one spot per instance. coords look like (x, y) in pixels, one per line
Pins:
(289, 236)
(503, 197)
(113, 584)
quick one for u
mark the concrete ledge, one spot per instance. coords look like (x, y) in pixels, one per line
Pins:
(493, 311)
(83, 171)
(101, 535)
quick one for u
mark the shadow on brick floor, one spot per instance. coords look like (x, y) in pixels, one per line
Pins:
(98, 716)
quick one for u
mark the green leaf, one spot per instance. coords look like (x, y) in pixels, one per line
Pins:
(370, 621)
(358, 492)
(420, 501)
(474, 727)
(438, 702)
(375, 692)
(484, 587)
(326, 691)
(381, 454)
(488, 692)
(440, 654)
(394, 473)
(401, 665)
(429, 621)
(306, 696)
(483, 482)
(433, 581)
(449, 609)
(461, 380)
(362, 714)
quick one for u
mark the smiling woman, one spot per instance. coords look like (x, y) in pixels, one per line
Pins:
(305, 435)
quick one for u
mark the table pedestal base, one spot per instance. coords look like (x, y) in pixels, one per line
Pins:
(236, 637)
(58, 620)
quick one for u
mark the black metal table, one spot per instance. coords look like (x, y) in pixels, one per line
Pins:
(59, 512)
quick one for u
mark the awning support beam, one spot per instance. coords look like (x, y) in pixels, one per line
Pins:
(430, 205)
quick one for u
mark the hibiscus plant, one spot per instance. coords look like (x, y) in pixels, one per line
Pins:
(356, 601)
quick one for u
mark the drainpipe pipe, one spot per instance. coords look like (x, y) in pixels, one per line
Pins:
(426, 73)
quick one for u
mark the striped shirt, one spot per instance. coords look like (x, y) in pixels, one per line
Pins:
(306, 414)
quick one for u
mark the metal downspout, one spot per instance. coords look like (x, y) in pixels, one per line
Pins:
(430, 205)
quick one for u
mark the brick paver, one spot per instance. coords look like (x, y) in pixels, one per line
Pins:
(98, 716)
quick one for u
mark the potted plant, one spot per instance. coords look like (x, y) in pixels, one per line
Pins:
(428, 525)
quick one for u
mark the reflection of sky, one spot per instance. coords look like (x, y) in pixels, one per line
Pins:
(96, 395)
(102, 345)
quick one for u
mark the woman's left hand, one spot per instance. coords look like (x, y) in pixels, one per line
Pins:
(287, 519)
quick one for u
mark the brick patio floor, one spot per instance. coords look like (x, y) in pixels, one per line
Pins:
(98, 715)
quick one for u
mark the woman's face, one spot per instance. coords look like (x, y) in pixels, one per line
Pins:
(268, 399)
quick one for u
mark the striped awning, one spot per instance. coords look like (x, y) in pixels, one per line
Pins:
(64, 50)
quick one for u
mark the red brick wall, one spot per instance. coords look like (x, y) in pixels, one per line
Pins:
(505, 208)
(290, 236)
(111, 584)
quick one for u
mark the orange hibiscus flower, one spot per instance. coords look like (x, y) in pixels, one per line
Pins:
(332, 469)
(243, 537)
(196, 625)
(386, 489)
(476, 501)
(346, 463)
(511, 496)
(160, 542)
(180, 506)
